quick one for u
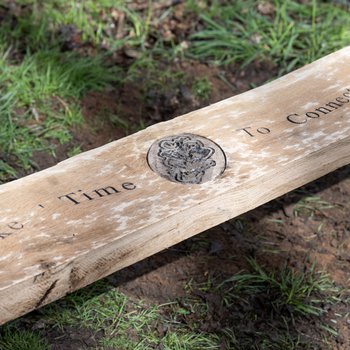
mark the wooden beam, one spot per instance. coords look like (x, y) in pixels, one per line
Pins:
(67, 226)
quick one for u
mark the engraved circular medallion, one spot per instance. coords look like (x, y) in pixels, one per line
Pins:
(187, 159)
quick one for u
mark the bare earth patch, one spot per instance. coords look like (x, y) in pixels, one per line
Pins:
(285, 232)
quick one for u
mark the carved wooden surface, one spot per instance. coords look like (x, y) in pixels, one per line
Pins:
(67, 226)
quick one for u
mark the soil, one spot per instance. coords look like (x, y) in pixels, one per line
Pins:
(223, 251)
(272, 233)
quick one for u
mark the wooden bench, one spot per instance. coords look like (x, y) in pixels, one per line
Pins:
(95, 213)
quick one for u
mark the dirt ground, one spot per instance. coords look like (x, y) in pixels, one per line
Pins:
(287, 231)
(272, 233)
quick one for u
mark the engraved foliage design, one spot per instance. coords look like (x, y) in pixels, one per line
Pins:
(186, 158)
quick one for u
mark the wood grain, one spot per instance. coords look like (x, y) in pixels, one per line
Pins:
(275, 138)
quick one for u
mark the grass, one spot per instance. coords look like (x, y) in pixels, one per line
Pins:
(293, 35)
(54, 52)
(276, 307)
(44, 24)
(286, 291)
(152, 75)
(126, 324)
(14, 339)
(40, 100)
(202, 88)
(228, 309)
(42, 82)
(74, 151)
(311, 205)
